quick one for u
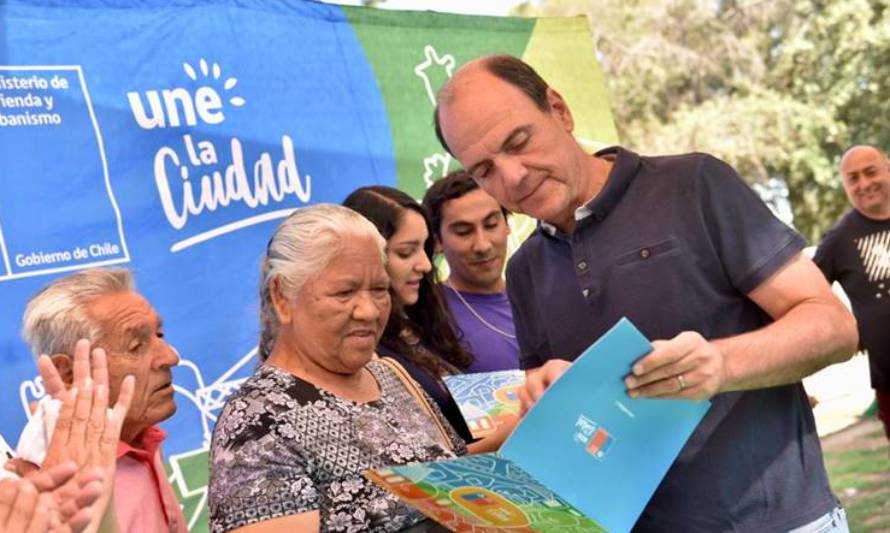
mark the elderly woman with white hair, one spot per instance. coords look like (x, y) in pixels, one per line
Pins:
(290, 446)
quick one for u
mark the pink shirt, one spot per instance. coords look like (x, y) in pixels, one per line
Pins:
(144, 501)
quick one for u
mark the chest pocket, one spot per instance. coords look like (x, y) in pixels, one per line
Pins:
(642, 254)
(662, 276)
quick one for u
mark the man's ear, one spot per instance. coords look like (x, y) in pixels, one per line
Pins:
(560, 109)
(279, 302)
(63, 364)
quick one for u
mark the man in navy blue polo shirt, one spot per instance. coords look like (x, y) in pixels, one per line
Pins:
(682, 247)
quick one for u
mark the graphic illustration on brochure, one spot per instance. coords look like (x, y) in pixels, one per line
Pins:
(46, 110)
(483, 493)
(485, 399)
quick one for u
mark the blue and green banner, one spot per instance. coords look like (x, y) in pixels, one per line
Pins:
(170, 137)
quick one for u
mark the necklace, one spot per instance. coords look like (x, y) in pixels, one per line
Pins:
(484, 322)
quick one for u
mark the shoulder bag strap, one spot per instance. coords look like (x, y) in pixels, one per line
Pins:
(419, 397)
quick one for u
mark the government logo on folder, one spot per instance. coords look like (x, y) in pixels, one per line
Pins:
(595, 438)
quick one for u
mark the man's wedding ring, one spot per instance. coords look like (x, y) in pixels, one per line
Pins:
(681, 380)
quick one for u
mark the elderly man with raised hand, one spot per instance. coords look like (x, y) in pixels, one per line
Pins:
(681, 246)
(103, 307)
(856, 253)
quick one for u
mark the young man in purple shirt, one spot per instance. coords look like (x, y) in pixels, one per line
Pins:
(471, 229)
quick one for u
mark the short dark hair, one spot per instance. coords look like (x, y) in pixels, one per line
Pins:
(510, 69)
(452, 186)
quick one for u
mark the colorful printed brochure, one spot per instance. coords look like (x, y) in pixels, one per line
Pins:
(482, 493)
(586, 457)
(486, 398)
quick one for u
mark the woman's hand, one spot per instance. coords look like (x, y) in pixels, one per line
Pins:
(493, 441)
(37, 504)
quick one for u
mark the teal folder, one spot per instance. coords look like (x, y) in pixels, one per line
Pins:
(586, 457)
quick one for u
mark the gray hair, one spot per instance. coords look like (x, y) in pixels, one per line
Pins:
(299, 250)
(55, 318)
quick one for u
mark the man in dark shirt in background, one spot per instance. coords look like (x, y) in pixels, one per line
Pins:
(855, 252)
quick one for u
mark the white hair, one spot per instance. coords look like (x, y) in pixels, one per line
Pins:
(300, 249)
(55, 318)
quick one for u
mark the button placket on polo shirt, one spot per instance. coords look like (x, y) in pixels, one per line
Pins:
(586, 281)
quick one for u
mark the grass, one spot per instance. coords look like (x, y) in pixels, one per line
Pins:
(860, 476)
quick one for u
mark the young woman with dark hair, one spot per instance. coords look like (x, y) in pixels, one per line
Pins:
(419, 333)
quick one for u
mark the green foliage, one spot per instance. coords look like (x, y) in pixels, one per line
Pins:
(777, 88)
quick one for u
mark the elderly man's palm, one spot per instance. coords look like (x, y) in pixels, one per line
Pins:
(86, 433)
